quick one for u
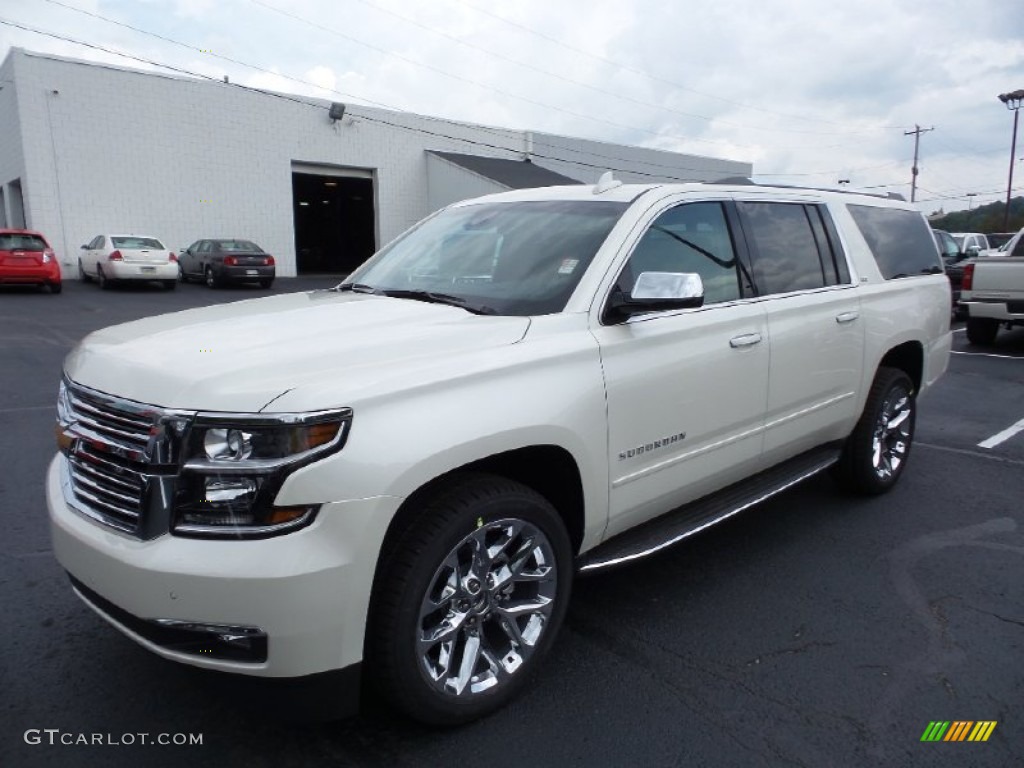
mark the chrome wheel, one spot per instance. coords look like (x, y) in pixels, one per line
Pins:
(892, 434)
(486, 607)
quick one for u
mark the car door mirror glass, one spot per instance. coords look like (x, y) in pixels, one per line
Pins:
(667, 285)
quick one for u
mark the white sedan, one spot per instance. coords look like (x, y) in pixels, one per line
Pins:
(112, 258)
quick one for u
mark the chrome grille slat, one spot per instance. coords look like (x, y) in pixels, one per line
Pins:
(87, 453)
(96, 487)
(98, 426)
(98, 476)
(132, 514)
(141, 425)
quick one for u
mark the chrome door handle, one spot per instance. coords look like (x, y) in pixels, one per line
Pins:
(746, 340)
(847, 317)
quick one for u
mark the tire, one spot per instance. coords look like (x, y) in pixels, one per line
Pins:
(876, 452)
(982, 330)
(266, 282)
(212, 281)
(85, 278)
(181, 274)
(431, 680)
(56, 287)
(101, 278)
(170, 285)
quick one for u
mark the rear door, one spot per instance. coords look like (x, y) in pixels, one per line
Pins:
(815, 332)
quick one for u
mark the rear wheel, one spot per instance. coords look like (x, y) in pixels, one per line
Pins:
(101, 278)
(266, 282)
(56, 287)
(876, 452)
(468, 600)
(212, 281)
(982, 330)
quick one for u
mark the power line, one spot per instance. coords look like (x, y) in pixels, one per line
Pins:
(642, 73)
(321, 107)
(563, 78)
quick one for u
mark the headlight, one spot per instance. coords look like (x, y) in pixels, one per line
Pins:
(236, 463)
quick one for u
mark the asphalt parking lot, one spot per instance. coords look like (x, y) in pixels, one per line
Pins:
(814, 630)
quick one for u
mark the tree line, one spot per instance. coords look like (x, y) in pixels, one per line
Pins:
(984, 218)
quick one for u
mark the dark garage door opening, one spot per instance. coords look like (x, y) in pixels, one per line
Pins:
(334, 223)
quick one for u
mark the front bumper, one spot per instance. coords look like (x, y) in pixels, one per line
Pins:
(307, 591)
(131, 270)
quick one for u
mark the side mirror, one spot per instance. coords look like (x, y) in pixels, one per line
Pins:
(656, 292)
(972, 251)
(84, 247)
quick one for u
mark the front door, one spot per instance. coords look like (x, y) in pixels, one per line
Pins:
(686, 389)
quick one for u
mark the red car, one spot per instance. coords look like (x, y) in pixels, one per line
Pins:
(26, 258)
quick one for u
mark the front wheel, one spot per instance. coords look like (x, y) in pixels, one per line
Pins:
(876, 452)
(468, 599)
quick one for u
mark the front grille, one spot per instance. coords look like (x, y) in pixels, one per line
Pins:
(109, 485)
(122, 459)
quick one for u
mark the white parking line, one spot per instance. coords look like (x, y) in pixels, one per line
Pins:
(1002, 437)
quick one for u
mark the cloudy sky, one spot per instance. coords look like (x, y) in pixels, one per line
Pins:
(809, 91)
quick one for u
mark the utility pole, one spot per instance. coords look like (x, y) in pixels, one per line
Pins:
(918, 130)
(1013, 102)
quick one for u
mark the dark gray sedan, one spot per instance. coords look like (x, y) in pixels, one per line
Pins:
(219, 262)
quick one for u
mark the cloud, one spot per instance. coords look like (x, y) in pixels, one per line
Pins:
(808, 91)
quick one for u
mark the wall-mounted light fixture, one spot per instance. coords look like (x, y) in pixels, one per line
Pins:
(337, 111)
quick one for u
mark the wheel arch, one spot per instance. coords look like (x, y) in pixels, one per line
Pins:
(907, 357)
(550, 470)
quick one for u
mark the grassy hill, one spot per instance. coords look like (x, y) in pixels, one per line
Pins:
(984, 218)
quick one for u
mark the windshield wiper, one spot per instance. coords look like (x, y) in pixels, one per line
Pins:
(438, 298)
(358, 288)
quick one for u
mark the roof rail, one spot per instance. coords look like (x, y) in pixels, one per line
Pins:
(742, 181)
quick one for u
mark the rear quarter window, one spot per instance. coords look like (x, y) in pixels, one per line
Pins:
(900, 240)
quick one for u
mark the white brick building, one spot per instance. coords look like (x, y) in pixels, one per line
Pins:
(88, 148)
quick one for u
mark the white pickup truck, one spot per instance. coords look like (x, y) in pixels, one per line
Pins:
(395, 482)
(992, 292)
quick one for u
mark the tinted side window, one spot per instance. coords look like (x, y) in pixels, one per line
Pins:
(693, 237)
(900, 240)
(785, 250)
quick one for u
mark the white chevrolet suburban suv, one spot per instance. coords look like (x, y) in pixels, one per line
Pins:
(394, 482)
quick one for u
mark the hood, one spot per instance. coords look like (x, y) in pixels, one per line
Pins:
(241, 356)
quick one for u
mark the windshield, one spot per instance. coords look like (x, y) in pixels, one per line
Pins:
(239, 246)
(522, 258)
(137, 243)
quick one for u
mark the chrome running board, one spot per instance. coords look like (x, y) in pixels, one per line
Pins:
(679, 524)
